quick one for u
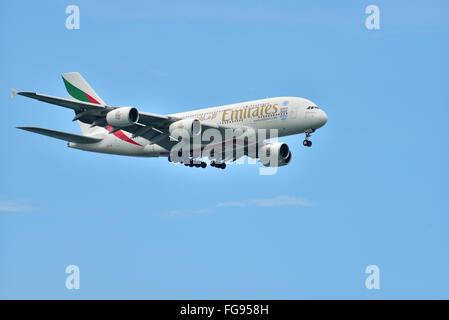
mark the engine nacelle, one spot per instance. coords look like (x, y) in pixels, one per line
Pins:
(192, 126)
(276, 154)
(122, 117)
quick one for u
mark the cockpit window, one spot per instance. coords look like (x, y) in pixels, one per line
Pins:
(312, 107)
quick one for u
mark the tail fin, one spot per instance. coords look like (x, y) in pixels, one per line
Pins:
(79, 89)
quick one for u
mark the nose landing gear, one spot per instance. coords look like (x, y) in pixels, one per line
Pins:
(307, 142)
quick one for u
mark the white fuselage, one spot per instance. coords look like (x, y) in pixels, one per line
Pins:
(288, 115)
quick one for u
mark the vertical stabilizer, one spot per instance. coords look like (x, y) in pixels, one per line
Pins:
(79, 89)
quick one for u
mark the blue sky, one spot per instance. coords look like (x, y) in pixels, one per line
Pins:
(373, 189)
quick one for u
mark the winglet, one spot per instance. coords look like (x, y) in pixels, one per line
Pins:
(13, 93)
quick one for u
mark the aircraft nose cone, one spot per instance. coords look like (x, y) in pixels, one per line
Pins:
(323, 117)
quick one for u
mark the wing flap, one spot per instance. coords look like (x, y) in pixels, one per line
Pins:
(61, 135)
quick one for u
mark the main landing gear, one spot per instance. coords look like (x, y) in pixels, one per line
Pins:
(218, 165)
(202, 164)
(307, 142)
(191, 164)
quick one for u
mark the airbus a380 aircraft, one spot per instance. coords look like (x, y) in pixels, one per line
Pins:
(128, 131)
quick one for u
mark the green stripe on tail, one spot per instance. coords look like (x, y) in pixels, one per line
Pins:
(74, 92)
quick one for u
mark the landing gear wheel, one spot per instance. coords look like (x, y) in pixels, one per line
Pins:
(307, 142)
(218, 165)
(203, 165)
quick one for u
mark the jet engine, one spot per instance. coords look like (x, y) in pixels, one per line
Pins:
(276, 154)
(192, 126)
(122, 117)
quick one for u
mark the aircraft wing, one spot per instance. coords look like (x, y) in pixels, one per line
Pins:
(151, 126)
(154, 128)
(67, 103)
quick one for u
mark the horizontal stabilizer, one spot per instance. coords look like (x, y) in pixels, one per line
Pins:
(61, 135)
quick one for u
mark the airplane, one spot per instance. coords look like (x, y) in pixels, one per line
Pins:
(125, 130)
